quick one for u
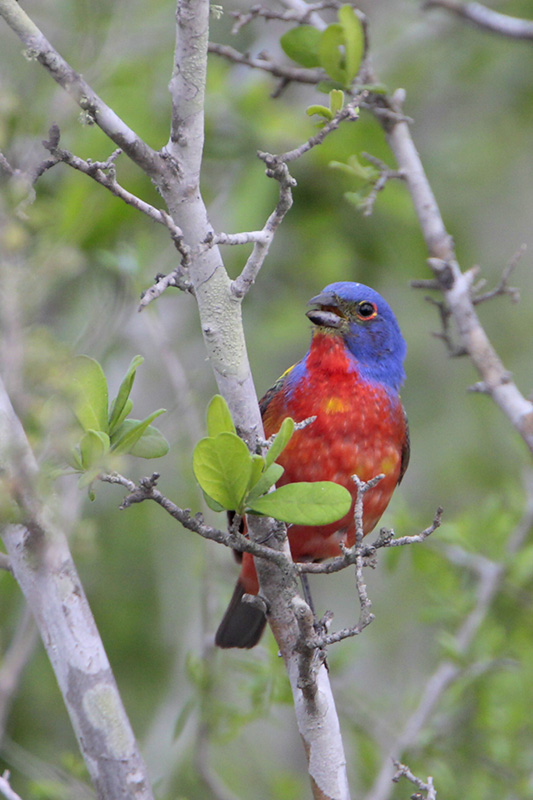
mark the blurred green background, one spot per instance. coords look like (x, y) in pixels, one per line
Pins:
(71, 275)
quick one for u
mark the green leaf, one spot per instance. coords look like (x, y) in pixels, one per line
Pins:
(93, 447)
(281, 441)
(368, 173)
(336, 100)
(271, 475)
(73, 458)
(131, 431)
(118, 414)
(318, 503)
(323, 111)
(214, 506)
(219, 417)
(90, 387)
(152, 444)
(331, 58)
(258, 465)
(223, 467)
(184, 715)
(354, 41)
(87, 479)
(301, 44)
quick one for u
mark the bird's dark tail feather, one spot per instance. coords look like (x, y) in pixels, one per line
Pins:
(242, 625)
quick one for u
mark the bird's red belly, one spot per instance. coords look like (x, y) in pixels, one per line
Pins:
(358, 430)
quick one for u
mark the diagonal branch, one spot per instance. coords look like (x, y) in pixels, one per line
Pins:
(97, 112)
(455, 285)
(146, 490)
(485, 18)
(104, 173)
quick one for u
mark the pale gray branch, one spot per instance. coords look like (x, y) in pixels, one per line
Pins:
(5, 788)
(403, 771)
(490, 576)
(5, 563)
(96, 111)
(104, 173)
(456, 285)
(485, 18)
(43, 567)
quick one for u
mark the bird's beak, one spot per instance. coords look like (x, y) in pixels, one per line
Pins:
(328, 313)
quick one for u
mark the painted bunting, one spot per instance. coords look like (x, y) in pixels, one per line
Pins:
(349, 380)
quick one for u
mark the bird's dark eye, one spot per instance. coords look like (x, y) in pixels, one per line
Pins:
(366, 310)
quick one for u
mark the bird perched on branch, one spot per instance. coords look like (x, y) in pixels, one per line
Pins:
(349, 380)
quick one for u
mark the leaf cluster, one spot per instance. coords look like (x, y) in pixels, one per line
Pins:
(107, 430)
(338, 49)
(233, 478)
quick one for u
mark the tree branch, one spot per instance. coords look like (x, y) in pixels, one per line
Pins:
(485, 18)
(5, 787)
(490, 577)
(296, 74)
(97, 112)
(455, 285)
(43, 567)
(146, 490)
(241, 286)
(104, 173)
(403, 771)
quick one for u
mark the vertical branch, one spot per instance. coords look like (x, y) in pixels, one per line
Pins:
(219, 309)
(43, 567)
(456, 285)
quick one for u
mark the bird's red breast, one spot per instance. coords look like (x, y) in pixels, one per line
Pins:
(360, 428)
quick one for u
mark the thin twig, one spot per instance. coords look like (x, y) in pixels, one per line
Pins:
(104, 173)
(386, 174)
(403, 771)
(503, 286)
(485, 18)
(146, 490)
(385, 539)
(299, 75)
(490, 577)
(280, 172)
(349, 112)
(302, 17)
(14, 660)
(356, 552)
(96, 111)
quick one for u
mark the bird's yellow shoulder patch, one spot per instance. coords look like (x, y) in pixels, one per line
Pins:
(333, 405)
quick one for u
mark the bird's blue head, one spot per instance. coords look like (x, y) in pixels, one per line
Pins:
(368, 327)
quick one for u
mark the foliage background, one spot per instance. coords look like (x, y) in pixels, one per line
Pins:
(70, 280)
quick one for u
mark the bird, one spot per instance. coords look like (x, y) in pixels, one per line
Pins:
(349, 381)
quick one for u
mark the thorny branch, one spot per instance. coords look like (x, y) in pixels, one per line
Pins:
(485, 18)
